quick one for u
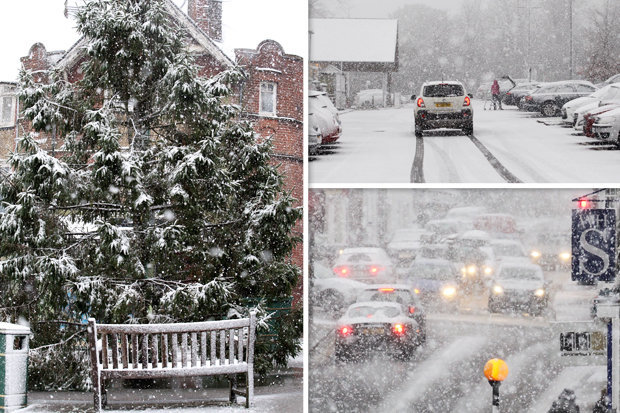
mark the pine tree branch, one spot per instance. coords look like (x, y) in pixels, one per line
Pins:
(65, 341)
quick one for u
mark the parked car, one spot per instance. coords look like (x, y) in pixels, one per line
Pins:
(612, 79)
(512, 96)
(443, 104)
(607, 93)
(330, 292)
(550, 98)
(323, 117)
(369, 264)
(376, 326)
(520, 287)
(435, 281)
(589, 118)
(402, 294)
(607, 126)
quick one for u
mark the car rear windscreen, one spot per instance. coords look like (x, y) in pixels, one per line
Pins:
(443, 90)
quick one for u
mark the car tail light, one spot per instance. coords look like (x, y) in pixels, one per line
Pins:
(386, 290)
(374, 270)
(467, 101)
(421, 103)
(398, 329)
(342, 271)
(411, 309)
(345, 331)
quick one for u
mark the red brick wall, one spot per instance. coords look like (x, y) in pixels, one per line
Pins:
(269, 63)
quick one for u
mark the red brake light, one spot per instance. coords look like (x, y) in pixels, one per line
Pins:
(342, 271)
(398, 329)
(386, 290)
(374, 270)
(421, 103)
(345, 331)
(467, 101)
(411, 309)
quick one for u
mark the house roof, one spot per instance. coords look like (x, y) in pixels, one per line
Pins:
(354, 40)
(198, 35)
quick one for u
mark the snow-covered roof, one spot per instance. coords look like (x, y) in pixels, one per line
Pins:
(353, 40)
(78, 49)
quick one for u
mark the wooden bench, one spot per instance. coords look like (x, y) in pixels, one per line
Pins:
(149, 351)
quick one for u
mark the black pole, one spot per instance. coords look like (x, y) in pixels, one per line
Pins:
(495, 385)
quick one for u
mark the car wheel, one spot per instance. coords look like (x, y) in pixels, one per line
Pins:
(469, 129)
(407, 353)
(549, 109)
(492, 307)
(418, 131)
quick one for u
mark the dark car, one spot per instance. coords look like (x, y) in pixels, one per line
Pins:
(376, 327)
(519, 287)
(514, 95)
(435, 281)
(550, 98)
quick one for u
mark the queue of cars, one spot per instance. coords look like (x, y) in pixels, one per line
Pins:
(384, 296)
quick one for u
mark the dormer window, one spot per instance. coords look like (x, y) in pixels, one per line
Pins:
(267, 99)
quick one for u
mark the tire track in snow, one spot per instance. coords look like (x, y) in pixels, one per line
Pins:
(495, 163)
(453, 175)
(417, 169)
(428, 374)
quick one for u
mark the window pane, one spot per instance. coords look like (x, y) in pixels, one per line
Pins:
(267, 97)
(7, 109)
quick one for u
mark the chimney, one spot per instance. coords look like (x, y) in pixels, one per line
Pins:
(208, 16)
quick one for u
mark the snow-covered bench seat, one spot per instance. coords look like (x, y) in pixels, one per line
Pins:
(148, 351)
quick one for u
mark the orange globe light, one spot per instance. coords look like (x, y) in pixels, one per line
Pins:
(496, 370)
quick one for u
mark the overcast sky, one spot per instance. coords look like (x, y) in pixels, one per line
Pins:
(245, 24)
(379, 9)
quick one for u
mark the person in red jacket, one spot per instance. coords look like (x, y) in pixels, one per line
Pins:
(495, 93)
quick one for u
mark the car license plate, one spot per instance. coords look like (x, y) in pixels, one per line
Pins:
(372, 331)
(443, 104)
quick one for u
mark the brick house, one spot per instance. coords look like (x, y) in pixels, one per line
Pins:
(271, 97)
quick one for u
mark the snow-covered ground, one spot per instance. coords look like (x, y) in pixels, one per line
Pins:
(379, 146)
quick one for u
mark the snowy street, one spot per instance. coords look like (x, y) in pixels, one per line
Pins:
(378, 146)
(446, 372)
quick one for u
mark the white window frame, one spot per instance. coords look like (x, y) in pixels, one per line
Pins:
(274, 99)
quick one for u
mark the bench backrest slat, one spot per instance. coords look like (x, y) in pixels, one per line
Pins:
(231, 346)
(175, 350)
(145, 351)
(164, 350)
(114, 346)
(213, 358)
(240, 346)
(222, 347)
(124, 357)
(155, 350)
(104, 345)
(134, 351)
(203, 348)
(194, 349)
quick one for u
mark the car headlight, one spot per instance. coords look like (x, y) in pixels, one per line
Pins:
(539, 292)
(565, 256)
(488, 270)
(498, 289)
(535, 254)
(448, 292)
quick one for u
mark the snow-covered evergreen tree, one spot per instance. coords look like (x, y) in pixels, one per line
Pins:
(162, 205)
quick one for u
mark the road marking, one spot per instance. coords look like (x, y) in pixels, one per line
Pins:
(495, 163)
(417, 169)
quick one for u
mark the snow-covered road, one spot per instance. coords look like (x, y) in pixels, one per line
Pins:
(446, 372)
(378, 146)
